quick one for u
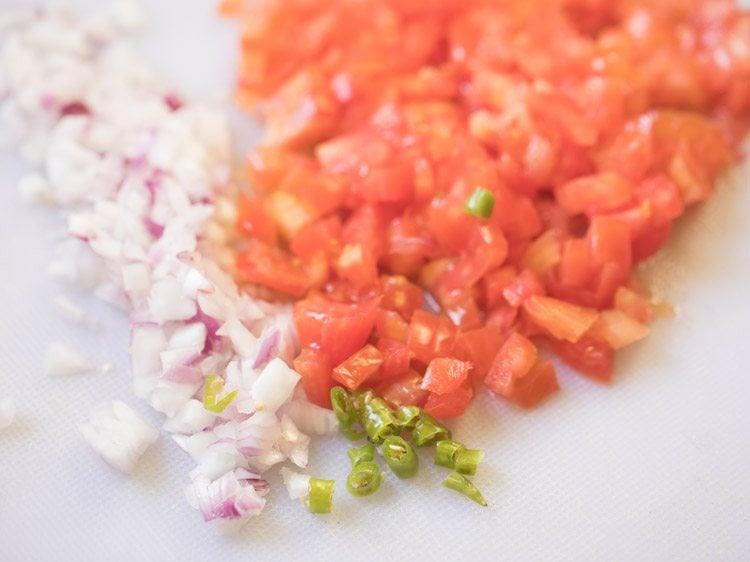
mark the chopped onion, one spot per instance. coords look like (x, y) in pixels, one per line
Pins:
(118, 434)
(227, 497)
(297, 485)
(61, 360)
(275, 385)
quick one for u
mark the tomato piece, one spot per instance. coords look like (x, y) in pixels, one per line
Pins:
(594, 194)
(544, 253)
(358, 367)
(322, 236)
(396, 358)
(634, 305)
(268, 166)
(315, 369)
(461, 307)
(480, 346)
(357, 265)
(523, 287)
(610, 242)
(575, 265)
(495, 282)
(513, 361)
(502, 317)
(302, 112)
(430, 336)
(451, 404)
(617, 329)
(589, 357)
(390, 324)
(564, 321)
(487, 249)
(404, 391)
(538, 384)
(254, 221)
(270, 267)
(400, 295)
(290, 213)
(444, 374)
(337, 329)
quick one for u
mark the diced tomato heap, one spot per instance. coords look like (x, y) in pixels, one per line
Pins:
(594, 124)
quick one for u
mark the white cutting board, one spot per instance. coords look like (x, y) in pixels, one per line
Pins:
(657, 467)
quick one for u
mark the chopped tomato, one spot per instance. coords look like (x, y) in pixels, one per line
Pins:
(254, 221)
(396, 358)
(513, 361)
(268, 266)
(451, 404)
(479, 346)
(444, 375)
(334, 328)
(430, 336)
(405, 390)
(617, 329)
(564, 321)
(592, 129)
(358, 367)
(400, 295)
(523, 287)
(315, 369)
(587, 356)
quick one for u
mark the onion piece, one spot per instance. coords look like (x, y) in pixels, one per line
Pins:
(118, 434)
(61, 360)
(297, 485)
(275, 385)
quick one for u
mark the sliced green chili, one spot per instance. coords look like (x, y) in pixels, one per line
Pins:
(463, 485)
(211, 389)
(378, 420)
(320, 495)
(365, 453)
(428, 430)
(480, 203)
(407, 416)
(343, 406)
(467, 461)
(445, 453)
(400, 456)
(364, 479)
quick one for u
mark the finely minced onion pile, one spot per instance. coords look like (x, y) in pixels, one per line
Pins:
(143, 178)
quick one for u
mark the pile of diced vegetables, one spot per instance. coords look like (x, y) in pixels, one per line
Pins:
(447, 194)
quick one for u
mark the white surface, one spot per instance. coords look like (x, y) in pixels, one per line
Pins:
(655, 468)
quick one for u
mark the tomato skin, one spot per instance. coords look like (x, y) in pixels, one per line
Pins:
(396, 358)
(564, 321)
(444, 375)
(268, 266)
(403, 391)
(358, 367)
(589, 357)
(335, 328)
(315, 369)
(513, 361)
(430, 336)
(450, 405)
